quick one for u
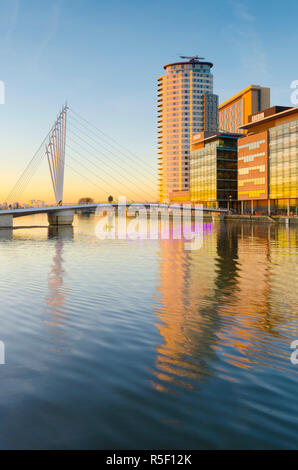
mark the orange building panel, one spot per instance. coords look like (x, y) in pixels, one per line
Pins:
(253, 167)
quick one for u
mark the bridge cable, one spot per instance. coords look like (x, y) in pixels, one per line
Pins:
(103, 169)
(85, 158)
(84, 166)
(140, 166)
(27, 174)
(85, 177)
(115, 163)
(21, 186)
(111, 162)
(37, 158)
(107, 136)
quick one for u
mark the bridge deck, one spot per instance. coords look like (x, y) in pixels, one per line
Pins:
(47, 210)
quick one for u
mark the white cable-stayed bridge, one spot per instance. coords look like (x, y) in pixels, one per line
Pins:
(89, 153)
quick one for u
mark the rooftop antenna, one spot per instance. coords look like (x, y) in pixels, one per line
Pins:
(192, 58)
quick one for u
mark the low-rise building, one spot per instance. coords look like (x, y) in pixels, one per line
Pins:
(235, 112)
(213, 170)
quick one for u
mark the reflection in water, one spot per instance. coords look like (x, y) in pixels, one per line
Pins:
(6, 233)
(205, 365)
(191, 296)
(57, 292)
(60, 232)
(249, 315)
(216, 301)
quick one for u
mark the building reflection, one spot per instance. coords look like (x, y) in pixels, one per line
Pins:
(6, 234)
(193, 285)
(57, 291)
(218, 302)
(247, 313)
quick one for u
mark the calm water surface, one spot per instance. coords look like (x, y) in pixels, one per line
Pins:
(142, 344)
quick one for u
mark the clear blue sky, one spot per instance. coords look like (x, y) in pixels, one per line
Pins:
(104, 57)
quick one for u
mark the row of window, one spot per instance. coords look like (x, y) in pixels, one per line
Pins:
(169, 107)
(185, 90)
(256, 181)
(245, 171)
(252, 194)
(182, 100)
(175, 141)
(183, 67)
(250, 158)
(285, 154)
(252, 145)
(184, 84)
(183, 121)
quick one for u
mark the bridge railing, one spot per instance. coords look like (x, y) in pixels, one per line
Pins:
(153, 205)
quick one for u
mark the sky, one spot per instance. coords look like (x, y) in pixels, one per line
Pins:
(104, 58)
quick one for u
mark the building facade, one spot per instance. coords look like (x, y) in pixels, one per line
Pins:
(211, 122)
(213, 170)
(184, 101)
(253, 168)
(235, 112)
(268, 162)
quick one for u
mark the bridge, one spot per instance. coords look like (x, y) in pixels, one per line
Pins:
(64, 215)
(53, 150)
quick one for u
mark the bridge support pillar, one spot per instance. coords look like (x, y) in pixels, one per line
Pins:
(61, 217)
(6, 221)
(218, 216)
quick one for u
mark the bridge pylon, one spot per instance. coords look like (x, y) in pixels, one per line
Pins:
(55, 151)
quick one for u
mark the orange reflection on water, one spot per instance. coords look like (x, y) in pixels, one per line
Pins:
(57, 292)
(220, 301)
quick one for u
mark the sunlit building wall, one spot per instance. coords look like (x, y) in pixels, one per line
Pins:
(253, 167)
(283, 148)
(270, 157)
(213, 170)
(234, 112)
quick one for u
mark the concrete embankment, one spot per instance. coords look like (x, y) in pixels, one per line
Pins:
(263, 219)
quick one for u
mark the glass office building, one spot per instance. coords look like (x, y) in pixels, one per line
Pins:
(283, 168)
(213, 170)
(281, 134)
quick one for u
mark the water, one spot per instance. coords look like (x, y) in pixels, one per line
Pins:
(115, 344)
